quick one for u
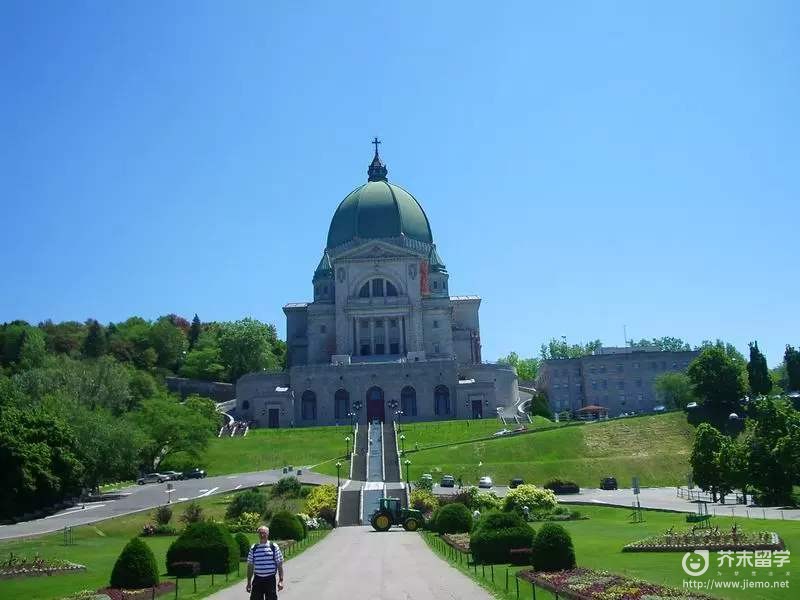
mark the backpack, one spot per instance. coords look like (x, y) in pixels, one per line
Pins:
(271, 547)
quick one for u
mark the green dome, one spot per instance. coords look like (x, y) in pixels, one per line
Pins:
(378, 209)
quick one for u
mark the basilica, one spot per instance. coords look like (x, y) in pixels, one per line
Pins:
(382, 337)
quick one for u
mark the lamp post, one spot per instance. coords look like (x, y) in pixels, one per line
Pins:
(338, 469)
(347, 441)
(407, 463)
(403, 443)
(400, 413)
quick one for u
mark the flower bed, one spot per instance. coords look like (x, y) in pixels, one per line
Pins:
(707, 539)
(20, 566)
(165, 587)
(586, 584)
(459, 541)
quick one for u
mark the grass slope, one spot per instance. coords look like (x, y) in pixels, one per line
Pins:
(454, 432)
(599, 540)
(98, 546)
(656, 448)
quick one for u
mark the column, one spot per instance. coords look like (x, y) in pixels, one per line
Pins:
(372, 336)
(385, 335)
(354, 347)
(403, 333)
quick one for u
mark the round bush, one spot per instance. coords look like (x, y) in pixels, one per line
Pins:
(535, 498)
(208, 543)
(251, 501)
(135, 568)
(494, 545)
(288, 487)
(498, 520)
(302, 522)
(285, 526)
(552, 549)
(244, 544)
(186, 569)
(454, 518)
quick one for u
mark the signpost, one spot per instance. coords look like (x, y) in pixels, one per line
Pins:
(637, 515)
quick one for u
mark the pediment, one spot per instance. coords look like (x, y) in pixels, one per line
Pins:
(376, 249)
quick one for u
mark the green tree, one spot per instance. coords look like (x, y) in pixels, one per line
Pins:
(64, 338)
(556, 348)
(541, 406)
(791, 358)
(719, 382)
(94, 345)
(12, 335)
(527, 368)
(130, 342)
(33, 353)
(758, 373)
(732, 463)
(773, 439)
(205, 360)
(169, 343)
(708, 442)
(194, 331)
(246, 346)
(780, 378)
(674, 390)
(665, 344)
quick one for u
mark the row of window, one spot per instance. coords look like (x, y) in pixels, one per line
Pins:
(408, 402)
(654, 365)
(377, 288)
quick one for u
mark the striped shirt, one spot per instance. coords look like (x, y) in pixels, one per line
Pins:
(265, 562)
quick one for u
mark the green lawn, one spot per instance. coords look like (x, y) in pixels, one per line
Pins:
(656, 448)
(264, 449)
(599, 540)
(453, 432)
(98, 546)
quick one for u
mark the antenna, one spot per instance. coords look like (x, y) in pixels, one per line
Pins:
(625, 333)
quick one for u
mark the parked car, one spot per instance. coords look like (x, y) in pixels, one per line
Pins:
(448, 481)
(516, 482)
(427, 476)
(608, 483)
(173, 475)
(152, 478)
(194, 474)
(485, 482)
(501, 432)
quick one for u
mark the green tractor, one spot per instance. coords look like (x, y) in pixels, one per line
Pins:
(390, 513)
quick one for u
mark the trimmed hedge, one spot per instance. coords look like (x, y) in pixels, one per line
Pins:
(430, 524)
(135, 568)
(454, 518)
(285, 526)
(244, 544)
(499, 520)
(552, 549)
(208, 543)
(186, 569)
(251, 501)
(494, 545)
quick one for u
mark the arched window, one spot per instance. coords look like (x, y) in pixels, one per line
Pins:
(408, 401)
(377, 288)
(390, 289)
(341, 404)
(441, 400)
(364, 293)
(309, 406)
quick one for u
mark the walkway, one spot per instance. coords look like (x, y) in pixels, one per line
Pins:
(357, 563)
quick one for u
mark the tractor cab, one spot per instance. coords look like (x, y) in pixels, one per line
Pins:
(389, 512)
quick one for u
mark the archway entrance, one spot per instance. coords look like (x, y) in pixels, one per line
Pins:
(375, 406)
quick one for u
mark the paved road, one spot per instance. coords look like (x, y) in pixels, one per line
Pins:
(360, 564)
(143, 497)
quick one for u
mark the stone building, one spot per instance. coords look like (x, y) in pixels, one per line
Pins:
(382, 332)
(618, 379)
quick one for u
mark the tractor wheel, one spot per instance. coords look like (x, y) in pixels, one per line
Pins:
(411, 524)
(381, 521)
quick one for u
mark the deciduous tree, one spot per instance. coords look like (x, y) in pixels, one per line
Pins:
(708, 442)
(719, 382)
(674, 390)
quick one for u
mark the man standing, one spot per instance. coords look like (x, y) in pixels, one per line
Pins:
(263, 560)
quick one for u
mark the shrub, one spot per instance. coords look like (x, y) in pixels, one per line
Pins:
(454, 518)
(312, 523)
(552, 549)
(430, 524)
(135, 568)
(250, 501)
(186, 568)
(247, 522)
(288, 487)
(208, 543)
(163, 515)
(321, 502)
(302, 522)
(151, 529)
(490, 545)
(424, 501)
(486, 501)
(499, 520)
(423, 483)
(193, 513)
(285, 526)
(244, 544)
(535, 498)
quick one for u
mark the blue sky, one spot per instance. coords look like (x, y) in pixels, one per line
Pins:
(585, 166)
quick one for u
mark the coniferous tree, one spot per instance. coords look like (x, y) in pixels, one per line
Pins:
(757, 372)
(791, 359)
(94, 346)
(194, 331)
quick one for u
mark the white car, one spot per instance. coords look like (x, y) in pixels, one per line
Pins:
(485, 482)
(152, 478)
(501, 432)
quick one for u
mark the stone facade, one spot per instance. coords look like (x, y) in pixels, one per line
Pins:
(618, 379)
(382, 329)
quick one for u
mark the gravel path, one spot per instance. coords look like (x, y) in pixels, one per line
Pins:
(357, 563)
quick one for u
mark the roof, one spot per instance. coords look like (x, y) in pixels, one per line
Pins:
(592, 408)
(324, 268)
(464, 298)
(296, 305)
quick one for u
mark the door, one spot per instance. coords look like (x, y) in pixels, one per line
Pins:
(273, 421)
(477, 409)
(375, 408)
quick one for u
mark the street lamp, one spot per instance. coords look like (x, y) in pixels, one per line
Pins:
(407, 463)
(403, 443)
(399, 414)
(347, 441)
(338, 469)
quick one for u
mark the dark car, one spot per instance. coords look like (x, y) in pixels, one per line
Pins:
(448, 481)
(515, 483)
(194, 474)
(608, 483)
